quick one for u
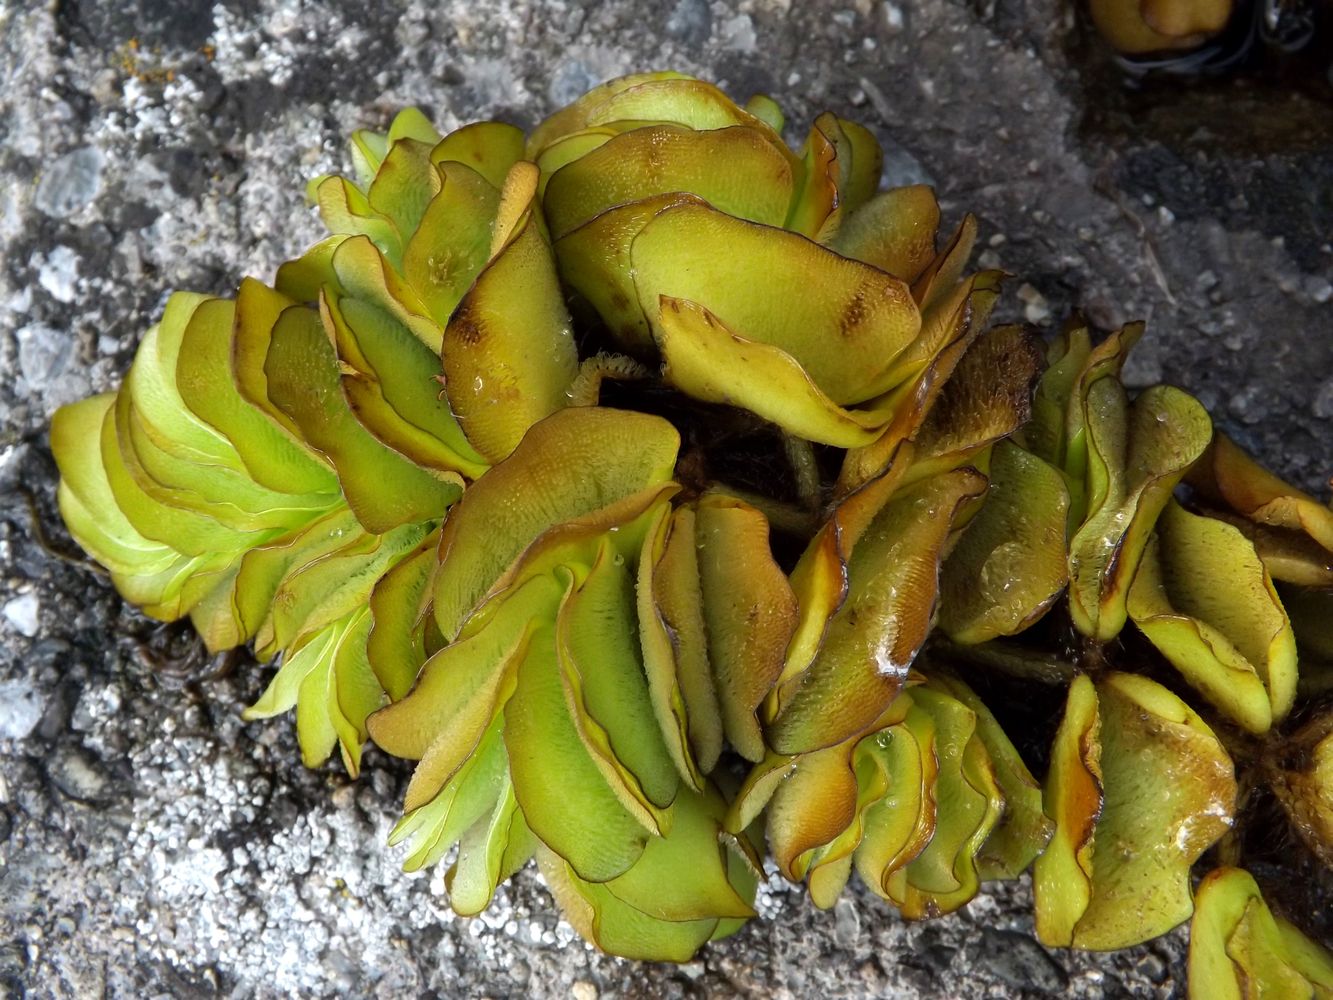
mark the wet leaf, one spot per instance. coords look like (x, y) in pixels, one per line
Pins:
(968, 804)
(1062, 874)
(812, 806)
(1136, 456)
(1009, 566)
(902, 823)
(1203, 598)
(1023, 829)
(872, 639)
(509, 352)
(1167, 793)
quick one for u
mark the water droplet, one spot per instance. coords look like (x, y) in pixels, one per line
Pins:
(996, 578)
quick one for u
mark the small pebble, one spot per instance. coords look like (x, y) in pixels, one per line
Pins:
(70, 183)
(21, 612)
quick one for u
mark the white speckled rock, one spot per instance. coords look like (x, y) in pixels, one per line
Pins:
(151, 844)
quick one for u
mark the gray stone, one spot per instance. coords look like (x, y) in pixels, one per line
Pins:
(1323, 401)
(20, 709)
(43, 353)
(231, 869)
(78, 775)
(846, 923)
(70, 183)
(58, 273)
(738, 33)
(691, 21)
(21, 613)
(1016, 960)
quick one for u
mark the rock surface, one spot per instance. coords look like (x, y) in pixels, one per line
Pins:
(150, 843)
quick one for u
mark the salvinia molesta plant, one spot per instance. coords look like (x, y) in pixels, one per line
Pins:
(664, 492)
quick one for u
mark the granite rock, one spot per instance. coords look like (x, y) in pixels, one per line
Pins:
(153, 845)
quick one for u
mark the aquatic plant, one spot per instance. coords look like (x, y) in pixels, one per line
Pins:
(664, 493)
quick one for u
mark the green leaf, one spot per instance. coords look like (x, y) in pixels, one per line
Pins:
(1203, 598)
(902, 823)
(396, 646)
(707, 360)
(616, 453)
(1062, 874)
(1167, 793)
(489, 148)
(749, 610)
(479, 786)
(1009, 566)
(1238, 949)
(453, 243)
(669, 159)
(391, 381)
(337, 582)
(509, 353)
(843, 321)
(492, 849)
(675, 898)
(207, 385)
(872, 639)
(576, 115)
(381, 486)
(89, 508)
(594, 263)
(462, 689)
(1023, 829)
(673, 634)
(607, 691)
(968, 804)
(565, 799)
(894, 231)
(1137, 455)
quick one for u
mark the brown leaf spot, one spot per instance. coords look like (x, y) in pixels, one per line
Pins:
(854, 313)
(465, 326)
